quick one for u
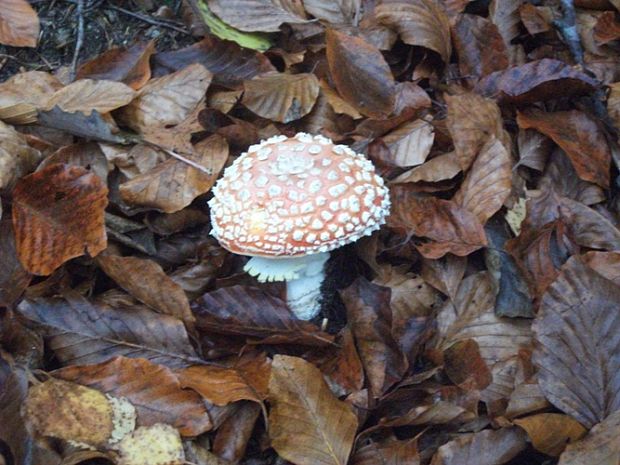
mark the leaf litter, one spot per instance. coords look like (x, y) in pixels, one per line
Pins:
(480, 324)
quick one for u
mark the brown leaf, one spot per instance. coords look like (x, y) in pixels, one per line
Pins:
(387, 453)
(471, 120)
(256, 15)
(153, 389)
(445, 274)
(17, 158)
(535, 19)
(85, 154)
(345, 368)
(334, 11)
(13, 277)
(410, 143)
(58, 215)
(19, 24)
(479, 45)
(87, 95)
(587, 227)
(535, 81)
(146, 281)
(281, 97)
(370, 319)
(439, 168)
(167, 100)
(233, 435)
(471, 316)
(418, 22)
(489, 182)
(488, 447)
(606, 264)
(550, 432)
(31, 87)
(505, 15)
(229, 63)
(600, 446)
(308, 424)
(361, 74)
(465, 367)
(80, 332)
(174, 184)
(575, 331)
(450, 227)
(247, 311)
(579, 136)
(128, 65)
(607, 28)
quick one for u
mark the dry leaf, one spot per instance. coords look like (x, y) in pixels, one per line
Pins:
(88, 95)
(19, 24)
(58, 215)
(152, 389)
(159, 444)
(31, 87)
(600, 446)
(575, 331)
(387, 453)
(13, 277)
(17, 158)
(418, 22)
(256, 15)
(281, 97)
(439, 168)
(167, 100)
(146, 281)
(410, 143)
(174, 184)
(361, 74)
(550, 432)
(308, 424)
(488, 184)
(334, 11)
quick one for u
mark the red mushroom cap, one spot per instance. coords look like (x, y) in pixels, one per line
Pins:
(297, 196)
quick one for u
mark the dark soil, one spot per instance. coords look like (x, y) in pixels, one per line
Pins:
(106, 25)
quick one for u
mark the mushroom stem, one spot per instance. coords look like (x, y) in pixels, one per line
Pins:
(303, 275)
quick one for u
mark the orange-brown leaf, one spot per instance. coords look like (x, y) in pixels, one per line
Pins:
(19, 24)
(57, 215)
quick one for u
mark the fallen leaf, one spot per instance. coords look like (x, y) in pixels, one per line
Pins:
(152, 389)
(361, 74)
(439, 168)
(338, 104)
(600, 446)
(229, 63)
(450, 227)
(85, 154)
(256, 15)
(480, 47)
(308, 424)
(17, 158)
(388, 452)
(574, 331)
(81, 332)
(167, 100)
(471, 120)
(247, 311)
(87, 95)
(418, 22)
(471, 316)
(607, 28)
(31, 87)
(334, 11)
(158, 444)
(281, 97)
(579, 136)
(535, 19)
(488, 183)
(146, 281)
(410, 143)
(345, 369)
(13, 277)
(550, 432)
(465, 367)
(174, 184)
(505, 15)
(129, 65)
(606, 264)
(535, 81)
(92, 127)
(19, 24)
(370, 319)
(233, 436)
(58, 215)
(444, 274)
(488, 446)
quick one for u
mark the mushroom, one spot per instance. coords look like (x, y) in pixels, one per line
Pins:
(287, 202)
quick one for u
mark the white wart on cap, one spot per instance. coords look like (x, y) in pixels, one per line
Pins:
(297, 196)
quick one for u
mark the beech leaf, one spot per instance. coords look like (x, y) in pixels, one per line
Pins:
(256, 15)
(19, 24)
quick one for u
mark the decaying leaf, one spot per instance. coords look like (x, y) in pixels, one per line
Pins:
(308, 424)
(87, 95)
(13, 277)
(58, 215)
(599, 446)
(158, 444)
(17, 158)
(410, 143)
(576, 333)
(19, 24)
(256, 15)
(281, 97)
(550, 432)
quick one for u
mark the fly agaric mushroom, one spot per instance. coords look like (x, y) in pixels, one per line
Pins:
(287, 202)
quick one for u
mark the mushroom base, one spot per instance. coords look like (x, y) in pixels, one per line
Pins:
(303, 275)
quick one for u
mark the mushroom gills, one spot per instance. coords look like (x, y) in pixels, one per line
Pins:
(303, 275)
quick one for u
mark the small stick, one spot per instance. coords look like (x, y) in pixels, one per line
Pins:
(191, 163)
(80, 38)
(148, 19)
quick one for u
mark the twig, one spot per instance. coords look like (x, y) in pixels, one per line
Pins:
(148, 19)
(80, 38)
(191, 163)
(568, 28)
